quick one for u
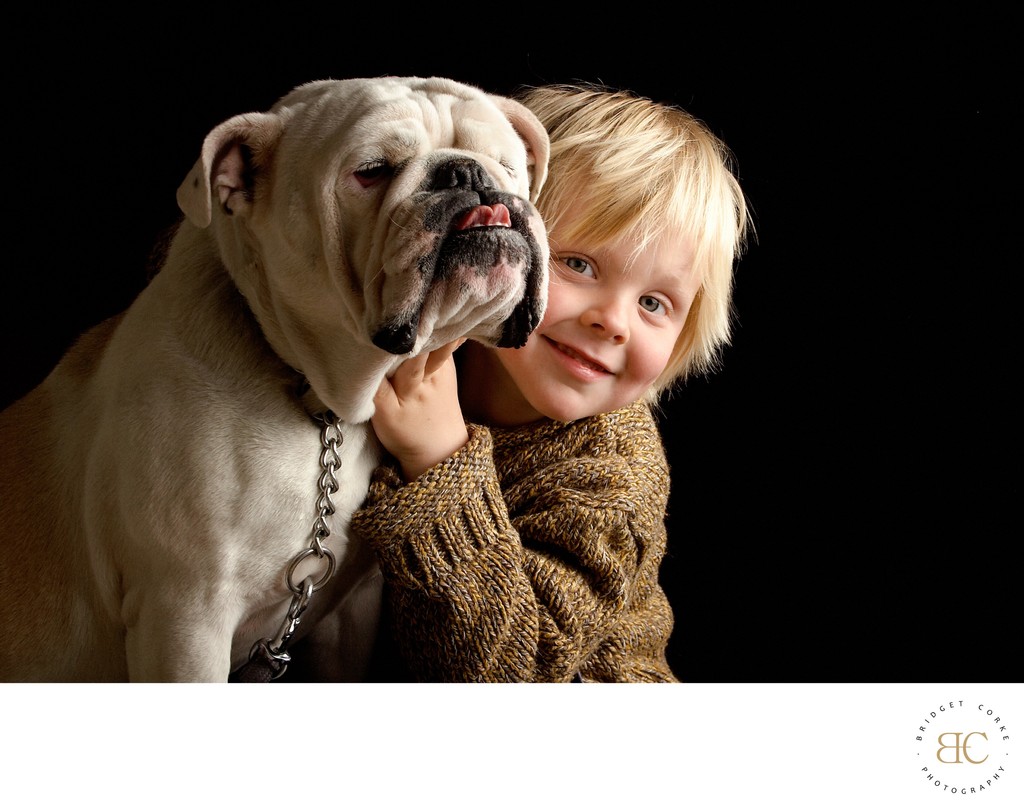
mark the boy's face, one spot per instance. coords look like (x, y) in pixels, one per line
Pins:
(611, 323)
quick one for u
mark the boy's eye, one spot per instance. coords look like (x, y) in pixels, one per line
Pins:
(579, 265)
(650, 303)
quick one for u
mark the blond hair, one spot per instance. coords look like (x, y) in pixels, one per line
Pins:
(641, 168)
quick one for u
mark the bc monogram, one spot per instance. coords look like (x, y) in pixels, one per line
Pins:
(961, 747)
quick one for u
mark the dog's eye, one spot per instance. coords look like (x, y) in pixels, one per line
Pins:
(509, 168)
(373, 172)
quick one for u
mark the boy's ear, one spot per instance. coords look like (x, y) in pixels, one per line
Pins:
(534, 136)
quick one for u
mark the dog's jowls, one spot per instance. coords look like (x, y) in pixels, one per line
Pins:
(155, 487)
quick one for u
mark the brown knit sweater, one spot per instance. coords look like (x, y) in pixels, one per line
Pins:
(530, 555)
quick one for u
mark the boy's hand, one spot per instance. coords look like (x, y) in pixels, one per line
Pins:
(418, 418)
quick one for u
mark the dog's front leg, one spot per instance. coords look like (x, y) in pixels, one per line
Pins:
(174, 638)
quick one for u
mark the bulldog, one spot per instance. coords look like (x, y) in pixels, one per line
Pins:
(175, 495)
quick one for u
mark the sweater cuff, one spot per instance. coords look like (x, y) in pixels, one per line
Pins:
(425, 528)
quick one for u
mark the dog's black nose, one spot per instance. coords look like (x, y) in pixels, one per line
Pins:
(461, 173)
(398, 337)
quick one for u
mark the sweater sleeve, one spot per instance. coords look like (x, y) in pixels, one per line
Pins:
(529, 555)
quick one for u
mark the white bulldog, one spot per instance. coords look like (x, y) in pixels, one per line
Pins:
(166, 494)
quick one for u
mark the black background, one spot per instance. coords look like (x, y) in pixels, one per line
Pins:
(842, 488)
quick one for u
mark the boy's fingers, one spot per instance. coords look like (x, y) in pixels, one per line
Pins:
(439, 356)
(413, 371)
(408, 375)
(384, 389)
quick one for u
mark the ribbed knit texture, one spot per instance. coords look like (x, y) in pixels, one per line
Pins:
(530, 555)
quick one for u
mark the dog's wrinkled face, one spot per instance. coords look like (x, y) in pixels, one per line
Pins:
(458, 252)
(391, 212)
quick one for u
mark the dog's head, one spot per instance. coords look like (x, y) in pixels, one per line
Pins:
(368, 220)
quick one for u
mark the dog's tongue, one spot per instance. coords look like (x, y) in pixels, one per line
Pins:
(483, 216)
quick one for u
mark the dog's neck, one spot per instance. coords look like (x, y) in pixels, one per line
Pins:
(329, 367)
(307, 397)
(347, 383)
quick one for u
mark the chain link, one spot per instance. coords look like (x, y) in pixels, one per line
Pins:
(272, 650)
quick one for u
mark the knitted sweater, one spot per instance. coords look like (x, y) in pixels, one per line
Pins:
(530, 555)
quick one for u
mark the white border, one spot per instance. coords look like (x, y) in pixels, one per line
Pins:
(702, 745)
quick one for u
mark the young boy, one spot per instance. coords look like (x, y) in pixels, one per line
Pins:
(521, 528)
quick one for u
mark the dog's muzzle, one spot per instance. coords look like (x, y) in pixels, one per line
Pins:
(479, 230)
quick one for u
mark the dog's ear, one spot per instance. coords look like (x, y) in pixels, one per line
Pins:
(226, 164)
(532, 132)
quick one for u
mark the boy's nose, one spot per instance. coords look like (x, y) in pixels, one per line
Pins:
(608, 318)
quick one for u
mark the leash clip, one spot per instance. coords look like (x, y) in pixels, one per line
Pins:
(272, 650)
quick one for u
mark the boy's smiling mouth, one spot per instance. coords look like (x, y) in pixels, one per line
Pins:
(581, 359)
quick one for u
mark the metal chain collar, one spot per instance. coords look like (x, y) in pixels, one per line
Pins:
(272, 650)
